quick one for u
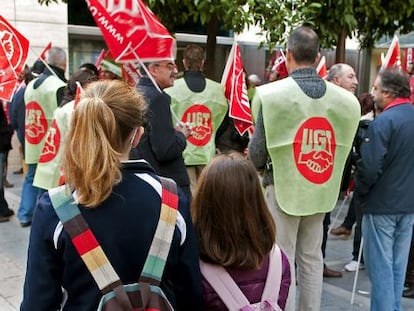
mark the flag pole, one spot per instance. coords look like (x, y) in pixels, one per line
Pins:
(339, 211)
(357, 270)
(45, 63)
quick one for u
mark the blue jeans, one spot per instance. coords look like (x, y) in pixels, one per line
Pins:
(387, 241)
(29, 196)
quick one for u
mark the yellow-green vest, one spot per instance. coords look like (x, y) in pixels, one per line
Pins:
(205, 111)
(40, 105)
(48, 172)
(308, 141)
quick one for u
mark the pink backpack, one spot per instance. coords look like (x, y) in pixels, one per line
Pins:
(233, 297)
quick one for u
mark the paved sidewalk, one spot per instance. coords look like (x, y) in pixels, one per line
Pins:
(13, 251)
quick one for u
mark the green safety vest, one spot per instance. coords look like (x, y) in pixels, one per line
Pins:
(48, 172)
(40, 105)
(205, 111)
(255, 106)
(308, 141)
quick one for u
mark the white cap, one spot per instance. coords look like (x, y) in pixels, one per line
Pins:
(253, 78)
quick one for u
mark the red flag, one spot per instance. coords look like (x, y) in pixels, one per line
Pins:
(131, 30)
(13, 54)
(8, 77)
(234, 82)
(130, 73)
(279, 64)
(15, 45)
(408, 58)
(101, 56)
(45, 50)
(321, 68)
(79, 90)
(392, 58)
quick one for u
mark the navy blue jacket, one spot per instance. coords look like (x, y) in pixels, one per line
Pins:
(385, 171)
(124, 225)
(161, 145)
(17, 114)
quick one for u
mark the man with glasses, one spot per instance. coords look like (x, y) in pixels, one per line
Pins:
(163, 144)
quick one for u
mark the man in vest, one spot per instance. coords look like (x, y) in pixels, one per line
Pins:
(42, 96)
(200, 102)
(162, 144)
(304, 132)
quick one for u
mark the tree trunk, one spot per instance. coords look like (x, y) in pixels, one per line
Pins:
(340, 48)
(212, 31)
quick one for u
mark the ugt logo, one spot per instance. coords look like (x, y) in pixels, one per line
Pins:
(314, 150)
(200, 118)
(52, 144)
(36, 123)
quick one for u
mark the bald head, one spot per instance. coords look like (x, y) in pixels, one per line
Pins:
(344, 76)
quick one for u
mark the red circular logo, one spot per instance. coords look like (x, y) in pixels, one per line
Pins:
(12, 45)
(314, 150)
(52, 144)
(36, 123)
(200, 118)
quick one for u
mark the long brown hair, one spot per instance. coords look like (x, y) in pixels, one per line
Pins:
(233, 224)
(101, 130)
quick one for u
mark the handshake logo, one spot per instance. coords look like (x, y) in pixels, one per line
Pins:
(314, 150)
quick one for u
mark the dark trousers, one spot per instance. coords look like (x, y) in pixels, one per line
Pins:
(326, 223)
(353, 215)
(409, 276)
(354, 206)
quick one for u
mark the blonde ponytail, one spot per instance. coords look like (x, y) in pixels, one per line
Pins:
(102, 123)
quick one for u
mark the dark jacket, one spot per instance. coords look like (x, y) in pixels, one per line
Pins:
(385, 172)
(17, 114)
(124, 225)
(5, 131)
(162, 146)
(251, 283)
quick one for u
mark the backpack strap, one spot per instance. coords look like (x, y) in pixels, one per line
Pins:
(83, 239)
(228, 291)
(92, 253)
(161, 243)
(224, 285)
(274, 275)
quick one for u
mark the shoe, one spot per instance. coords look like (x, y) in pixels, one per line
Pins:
(7, 184)
(353, 266)
(18, 172)
(329, 273)
(408, 293)
(25, 224)
(9, 213)
(341, 230)
(4, 219)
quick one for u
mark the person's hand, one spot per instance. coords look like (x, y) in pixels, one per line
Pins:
(184, 128)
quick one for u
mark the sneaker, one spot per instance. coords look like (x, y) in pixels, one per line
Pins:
(353, 265)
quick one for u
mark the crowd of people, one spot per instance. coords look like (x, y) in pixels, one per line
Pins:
(258, 218)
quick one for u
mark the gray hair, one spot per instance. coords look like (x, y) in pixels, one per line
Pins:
(57, 57)
(335, 70)
(395, 81)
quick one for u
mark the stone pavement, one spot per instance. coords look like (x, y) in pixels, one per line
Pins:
(336, 294)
